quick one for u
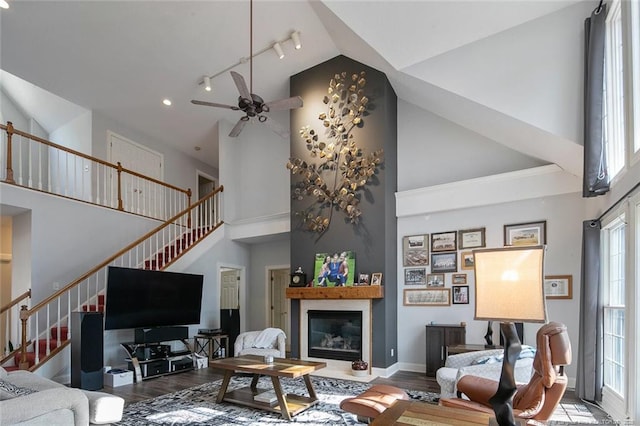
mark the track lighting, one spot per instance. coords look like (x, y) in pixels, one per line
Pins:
(207, 83)
(295, 36)
(278, 49)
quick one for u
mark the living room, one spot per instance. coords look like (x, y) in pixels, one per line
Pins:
(479, 146)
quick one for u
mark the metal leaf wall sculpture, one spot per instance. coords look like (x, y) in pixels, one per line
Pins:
(338, 170)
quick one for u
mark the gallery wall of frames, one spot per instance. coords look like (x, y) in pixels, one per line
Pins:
(437, 265)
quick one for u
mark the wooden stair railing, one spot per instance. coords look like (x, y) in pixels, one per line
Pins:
(10, 321)
(35, 163)
(173, 239)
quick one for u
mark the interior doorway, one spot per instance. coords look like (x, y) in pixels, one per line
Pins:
(230, 304)
(278, 302)
(205, 185)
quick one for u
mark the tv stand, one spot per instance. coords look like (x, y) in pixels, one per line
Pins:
(150, 360)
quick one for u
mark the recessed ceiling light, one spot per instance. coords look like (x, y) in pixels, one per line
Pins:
(167, 102)
(197, 148)
(4, 4)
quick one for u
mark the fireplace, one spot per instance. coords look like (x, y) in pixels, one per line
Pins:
(335, 334)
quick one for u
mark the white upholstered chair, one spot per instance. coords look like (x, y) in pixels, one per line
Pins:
(270, 341)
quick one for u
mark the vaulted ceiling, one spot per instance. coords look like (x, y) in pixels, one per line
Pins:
(457, 59)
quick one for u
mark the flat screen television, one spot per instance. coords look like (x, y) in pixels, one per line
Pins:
(140, 298)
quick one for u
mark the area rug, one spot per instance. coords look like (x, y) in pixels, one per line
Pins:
(197, 406)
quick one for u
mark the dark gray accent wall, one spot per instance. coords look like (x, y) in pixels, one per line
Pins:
(374, 239)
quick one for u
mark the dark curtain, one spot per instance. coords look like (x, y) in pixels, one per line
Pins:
(595, 176)
(589, 353)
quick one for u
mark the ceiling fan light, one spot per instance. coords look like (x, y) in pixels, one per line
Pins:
(295, 36)
(207, 83)
(278, 49)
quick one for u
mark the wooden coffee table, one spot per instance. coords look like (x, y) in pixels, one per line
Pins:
(415, 413)
(288, 405)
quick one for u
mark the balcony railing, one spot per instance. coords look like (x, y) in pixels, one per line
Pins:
(29, 161)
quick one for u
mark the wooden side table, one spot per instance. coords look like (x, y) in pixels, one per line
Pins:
(212, 346)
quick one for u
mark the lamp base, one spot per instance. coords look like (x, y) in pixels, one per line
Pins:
(502, 401)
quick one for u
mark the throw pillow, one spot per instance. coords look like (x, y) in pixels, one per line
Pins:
(9, 390)
(489, 359)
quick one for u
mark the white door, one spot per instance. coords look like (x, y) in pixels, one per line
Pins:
(279, 303)
(230, 289)
(138, 195)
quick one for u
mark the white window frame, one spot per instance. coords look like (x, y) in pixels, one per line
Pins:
(631, 30)
(614, 401)
(614, 94)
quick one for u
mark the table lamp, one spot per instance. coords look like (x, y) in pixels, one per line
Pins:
(509, 288)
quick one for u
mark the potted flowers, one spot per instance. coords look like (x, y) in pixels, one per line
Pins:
(359, 368)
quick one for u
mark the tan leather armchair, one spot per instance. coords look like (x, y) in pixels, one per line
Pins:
(537, 399)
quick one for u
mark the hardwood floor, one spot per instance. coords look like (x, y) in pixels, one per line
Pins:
(571, 410)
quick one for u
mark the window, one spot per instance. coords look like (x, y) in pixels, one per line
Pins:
(635, 74)
(613, 114)
(614, 306)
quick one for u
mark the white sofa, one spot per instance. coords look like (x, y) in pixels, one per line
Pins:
(29, 399)
(486, 363)
(251, 343)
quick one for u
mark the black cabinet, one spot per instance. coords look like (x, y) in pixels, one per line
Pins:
(438, 338)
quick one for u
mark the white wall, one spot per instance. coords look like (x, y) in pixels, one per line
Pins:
(76, 134)
(532, 72)
(564, 217)
(58, 240)
(253, 169)
(272, 254)
(433, 150)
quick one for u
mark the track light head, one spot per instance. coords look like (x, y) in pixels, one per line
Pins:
(278, 49)
(207, 83)
(295, 36)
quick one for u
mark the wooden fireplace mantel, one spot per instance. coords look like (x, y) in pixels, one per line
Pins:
(355, 292)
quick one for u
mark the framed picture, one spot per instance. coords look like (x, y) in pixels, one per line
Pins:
(332, 270)
(558, 286)
(525, 234)
(376, 278)
(444, 241)
(457, 279)
(415, 250)
(444, 262)
(363, 279)
(466, 260)
(461, 295)
(415, 276)
(471, 238)
(435, 280)
(427, 297)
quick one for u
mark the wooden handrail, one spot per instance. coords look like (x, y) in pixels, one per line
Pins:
(11, 130)
(15, 301)
(120, 253)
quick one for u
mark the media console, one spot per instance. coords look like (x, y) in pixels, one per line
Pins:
(150, 356)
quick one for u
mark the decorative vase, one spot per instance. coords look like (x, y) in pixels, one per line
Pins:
(359, 368)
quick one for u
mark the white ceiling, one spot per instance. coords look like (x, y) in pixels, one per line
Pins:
(121, 59)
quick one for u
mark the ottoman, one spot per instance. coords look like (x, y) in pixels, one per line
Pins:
(104, 408)
(372, 402)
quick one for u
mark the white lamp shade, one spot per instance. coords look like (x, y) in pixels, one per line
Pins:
(509, 284)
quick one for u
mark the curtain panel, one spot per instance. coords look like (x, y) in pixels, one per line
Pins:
(595, 176)
(589, 372)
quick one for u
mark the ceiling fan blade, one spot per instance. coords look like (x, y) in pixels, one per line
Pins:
(238, 127)
(213, 104)
(241, 85)
(277, 127)
(289, 103)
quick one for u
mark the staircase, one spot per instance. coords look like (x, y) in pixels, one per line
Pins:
(48, 319)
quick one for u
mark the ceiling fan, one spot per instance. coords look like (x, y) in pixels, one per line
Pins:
(252, 105)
